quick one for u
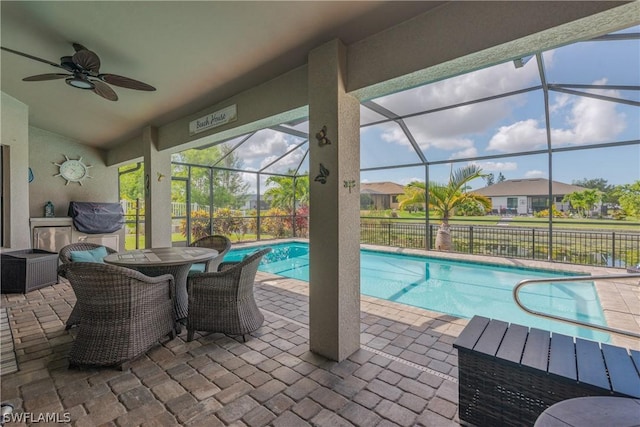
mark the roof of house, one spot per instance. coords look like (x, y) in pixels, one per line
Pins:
(381, 188)
(527, 187)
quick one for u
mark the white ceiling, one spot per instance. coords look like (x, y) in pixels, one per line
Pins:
(195, 53)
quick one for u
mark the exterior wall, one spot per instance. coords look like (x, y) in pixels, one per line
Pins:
(500, 205)
(15, 135)
(383, 201)
(44, 149)
(393, 201)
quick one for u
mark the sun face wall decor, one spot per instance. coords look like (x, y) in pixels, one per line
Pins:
(73, 170)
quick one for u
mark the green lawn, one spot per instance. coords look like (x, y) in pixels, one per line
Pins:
(628, 224)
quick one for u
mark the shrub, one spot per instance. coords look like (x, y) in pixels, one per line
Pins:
(229, 221)
(545, 213)
(302, 221)
(199, 224)
(618, 214)
(276, 222)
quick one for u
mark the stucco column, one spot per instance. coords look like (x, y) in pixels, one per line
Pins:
(334, 234)
(157, 191)
(15, 135)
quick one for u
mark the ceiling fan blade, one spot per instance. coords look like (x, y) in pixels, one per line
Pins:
(43, 77)
(35, 58)
(87, 60)
(104, 90)
(126, 82)
(78, 47)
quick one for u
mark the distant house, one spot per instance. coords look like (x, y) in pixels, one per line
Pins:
(526, 196)
(251, 202)
(380, 195)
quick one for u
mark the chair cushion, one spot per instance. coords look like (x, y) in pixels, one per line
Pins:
(197, 268)
(93, 255)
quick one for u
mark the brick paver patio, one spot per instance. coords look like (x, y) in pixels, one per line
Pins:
(404, 374)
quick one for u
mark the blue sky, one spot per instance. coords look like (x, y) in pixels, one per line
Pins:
(513, 124)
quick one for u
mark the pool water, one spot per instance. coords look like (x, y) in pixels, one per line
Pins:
(458, 288)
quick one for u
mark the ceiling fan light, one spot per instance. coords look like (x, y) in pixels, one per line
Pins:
(79, 83)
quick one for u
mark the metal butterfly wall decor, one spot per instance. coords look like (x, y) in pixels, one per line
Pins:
(322, 176)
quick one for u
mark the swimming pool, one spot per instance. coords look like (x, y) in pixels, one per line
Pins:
(457, 288)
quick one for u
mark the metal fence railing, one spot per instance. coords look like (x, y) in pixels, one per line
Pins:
(601, 248)
(584, 247)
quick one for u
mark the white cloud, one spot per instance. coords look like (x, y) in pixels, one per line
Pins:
(466, 153)
(478, 84)
(520, 136)
(290, 161)
(264, 144)
(560, 102)
(405, 181)
(490, 166)
(250, 178)
(450, 129)
(587, 121)
(594, 120)
(429, 134)
(534, 173)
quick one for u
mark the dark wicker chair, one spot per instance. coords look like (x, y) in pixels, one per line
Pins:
(218, 242)
(223, 301)
(64, 256)
(123, 313)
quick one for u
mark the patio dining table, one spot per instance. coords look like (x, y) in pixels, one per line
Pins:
(157, 261)
(592, 411)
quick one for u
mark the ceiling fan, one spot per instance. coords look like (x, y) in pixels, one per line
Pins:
(84, 67)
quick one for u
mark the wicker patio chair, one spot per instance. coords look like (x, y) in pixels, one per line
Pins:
(223, 301)
(218, 242)
(64, 256)
(123, 313)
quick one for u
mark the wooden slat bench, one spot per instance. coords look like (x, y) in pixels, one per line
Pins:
(509, 374)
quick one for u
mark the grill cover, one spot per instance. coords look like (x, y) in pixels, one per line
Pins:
(96, 218)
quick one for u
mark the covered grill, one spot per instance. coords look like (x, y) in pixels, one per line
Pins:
(99, 223)
(96, 218)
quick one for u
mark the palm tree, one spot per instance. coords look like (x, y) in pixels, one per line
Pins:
(445, 198)
(281, 193)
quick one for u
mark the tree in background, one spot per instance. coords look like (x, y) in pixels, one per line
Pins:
(229, 188)
(583, 201)
(281, 193)
(501, 177)
(490, 179)
(445, 198)
(131, 183)
(629, 198)
(607, 190)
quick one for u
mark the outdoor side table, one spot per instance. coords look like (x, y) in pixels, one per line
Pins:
(26, 270)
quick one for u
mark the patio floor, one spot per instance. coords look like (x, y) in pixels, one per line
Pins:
(404, 374)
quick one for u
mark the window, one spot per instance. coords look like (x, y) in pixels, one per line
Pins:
(539, 203)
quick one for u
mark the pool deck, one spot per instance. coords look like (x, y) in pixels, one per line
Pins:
(405, 373)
